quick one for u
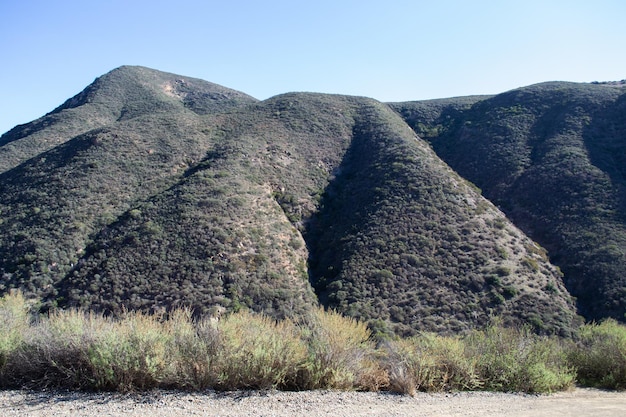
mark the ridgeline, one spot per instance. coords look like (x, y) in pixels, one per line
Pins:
(151, 191)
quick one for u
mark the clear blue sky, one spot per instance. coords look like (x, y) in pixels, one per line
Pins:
(391, 50)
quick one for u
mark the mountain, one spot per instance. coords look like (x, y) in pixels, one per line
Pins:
(123, 94)
(151, 190)
(59, 188)
(552, 156)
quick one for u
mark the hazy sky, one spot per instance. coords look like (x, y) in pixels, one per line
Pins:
(391, 50)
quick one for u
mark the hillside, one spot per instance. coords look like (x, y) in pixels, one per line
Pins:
(123, 94)
(402, 238)
(55, 200)
(155, 190)
(552, 156)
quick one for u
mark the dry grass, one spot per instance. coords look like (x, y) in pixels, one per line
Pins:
(340, 353)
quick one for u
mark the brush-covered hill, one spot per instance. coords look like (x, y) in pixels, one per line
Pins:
(68, 185)
(122, 94)
(552, 156)
(178, 192)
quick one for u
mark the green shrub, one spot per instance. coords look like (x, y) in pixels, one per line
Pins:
(14, 320)
(599, 355)
(72, 349)
(54, 352)
(511, 359)
(77, 350)
(192, 352)
(130, 353)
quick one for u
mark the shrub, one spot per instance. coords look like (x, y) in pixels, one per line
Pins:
(341, 354)
(14, 320)
(510, 359)
(257, 352)
(78, 350)
(54, 352)
(599, 355)
(72, 349)
(430, 363)
(192, 351)
(131, 353)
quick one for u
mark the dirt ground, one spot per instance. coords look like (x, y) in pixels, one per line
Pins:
(578, 402)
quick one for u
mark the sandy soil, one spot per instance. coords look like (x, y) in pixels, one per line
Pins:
(579, 402)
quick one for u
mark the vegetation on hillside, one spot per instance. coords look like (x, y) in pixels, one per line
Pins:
(552, 156)
(227, 234)
(403, 242)
(122, 94)
(151, 192)
(54, 203)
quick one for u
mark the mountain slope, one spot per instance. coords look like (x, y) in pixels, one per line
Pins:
(401, 238)
(552, 157)
(220, 238)
(121, 94)
(55, 201)
(192, 194)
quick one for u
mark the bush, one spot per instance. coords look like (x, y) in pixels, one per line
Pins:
(192, 352)
(430, 363)
(599, 355)
(131, 353)
(72, 349)
(256, 352)
(53, 352)
(511, 359)
(77, 350)
(14, 320)
(341, 354)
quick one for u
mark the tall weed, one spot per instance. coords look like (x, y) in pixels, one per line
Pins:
(192, 352)
(54, 352)
(78, 350)
(14, 320)
(130, 353)
(256, 352)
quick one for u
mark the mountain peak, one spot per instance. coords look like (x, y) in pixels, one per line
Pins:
(128, 86)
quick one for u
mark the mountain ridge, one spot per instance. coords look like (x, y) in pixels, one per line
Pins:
(551, 156)
(152, 190)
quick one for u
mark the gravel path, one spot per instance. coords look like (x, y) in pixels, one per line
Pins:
(579, 402)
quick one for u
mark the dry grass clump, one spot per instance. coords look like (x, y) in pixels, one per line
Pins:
(495, 359)
(14, 320)
(72, 349)
(515, 359)
(79, 350)
(257, 352)
(192, 352)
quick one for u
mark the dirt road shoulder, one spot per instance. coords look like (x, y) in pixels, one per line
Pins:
(578, 402)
